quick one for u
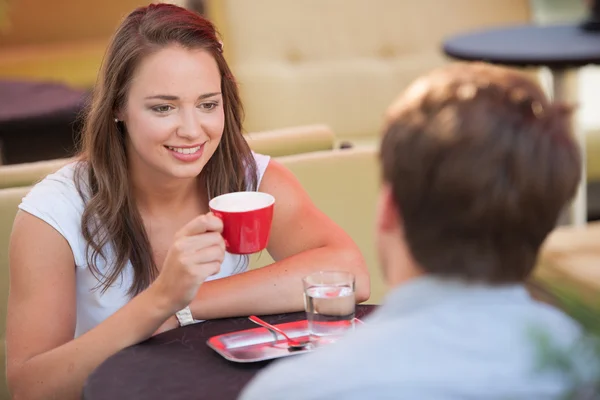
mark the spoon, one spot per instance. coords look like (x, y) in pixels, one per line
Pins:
(292, 343)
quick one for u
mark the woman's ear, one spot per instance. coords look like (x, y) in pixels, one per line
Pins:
(119, 114)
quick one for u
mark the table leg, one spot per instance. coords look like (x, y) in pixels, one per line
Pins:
(564, 92)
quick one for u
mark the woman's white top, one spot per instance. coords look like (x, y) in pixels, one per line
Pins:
(56, 201)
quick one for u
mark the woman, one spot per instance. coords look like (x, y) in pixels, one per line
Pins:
(108, 249)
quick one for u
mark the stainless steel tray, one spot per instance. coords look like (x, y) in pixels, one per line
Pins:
(258, 344)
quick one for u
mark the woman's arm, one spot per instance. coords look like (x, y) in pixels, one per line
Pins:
(43, 358)
(303, 240)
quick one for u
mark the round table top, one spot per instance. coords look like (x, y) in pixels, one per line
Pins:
(554, 46)
(178, 364)
(22, 100)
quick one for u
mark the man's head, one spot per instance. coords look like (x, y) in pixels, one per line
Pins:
(477, 166)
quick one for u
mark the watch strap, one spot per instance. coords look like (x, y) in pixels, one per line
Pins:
(184, 316)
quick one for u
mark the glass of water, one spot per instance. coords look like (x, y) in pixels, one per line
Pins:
(329, 303)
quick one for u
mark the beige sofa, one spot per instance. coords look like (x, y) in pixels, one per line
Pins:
(9, 200)
(340, 62)
(571, 256)
(344, 185)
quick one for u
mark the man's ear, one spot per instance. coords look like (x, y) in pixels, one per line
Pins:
(388, 217)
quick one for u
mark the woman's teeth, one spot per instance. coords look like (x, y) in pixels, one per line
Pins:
(188, 150)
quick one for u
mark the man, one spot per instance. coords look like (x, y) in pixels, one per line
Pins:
(477, 166)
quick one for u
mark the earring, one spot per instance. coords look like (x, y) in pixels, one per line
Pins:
(116, 120)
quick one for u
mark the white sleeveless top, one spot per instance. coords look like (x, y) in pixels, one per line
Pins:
(56, 201)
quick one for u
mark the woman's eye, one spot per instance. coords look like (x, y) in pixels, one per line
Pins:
(209, 106)
(162, 109)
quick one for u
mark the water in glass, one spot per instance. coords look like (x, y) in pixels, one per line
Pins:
(329, 310)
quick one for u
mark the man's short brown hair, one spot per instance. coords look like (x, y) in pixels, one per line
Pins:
(480, 165)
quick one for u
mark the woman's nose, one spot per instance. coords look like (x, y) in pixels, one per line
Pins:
(190, 126)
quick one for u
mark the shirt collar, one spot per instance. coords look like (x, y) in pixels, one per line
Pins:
(427, 291)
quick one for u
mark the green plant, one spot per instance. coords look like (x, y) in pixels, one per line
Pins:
(580, 365)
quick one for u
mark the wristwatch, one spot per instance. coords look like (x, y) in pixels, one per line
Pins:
(184, 316)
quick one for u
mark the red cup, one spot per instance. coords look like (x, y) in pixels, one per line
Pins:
(247, 218)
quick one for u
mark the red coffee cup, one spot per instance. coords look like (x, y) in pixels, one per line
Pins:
(247, 218)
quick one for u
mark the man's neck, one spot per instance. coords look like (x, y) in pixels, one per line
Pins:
(401, 267)
(400, 275)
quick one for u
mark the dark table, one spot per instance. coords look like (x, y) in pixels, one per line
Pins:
(558, 47)
(179, 365)
(39, 120)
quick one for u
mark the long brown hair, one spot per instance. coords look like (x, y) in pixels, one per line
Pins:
(111, 217)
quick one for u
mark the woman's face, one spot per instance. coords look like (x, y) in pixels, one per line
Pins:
(173, 113)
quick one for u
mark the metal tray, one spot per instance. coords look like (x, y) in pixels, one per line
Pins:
(258, 344)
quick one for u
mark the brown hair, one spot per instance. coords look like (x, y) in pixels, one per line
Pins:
(480, 165)
(111, 216)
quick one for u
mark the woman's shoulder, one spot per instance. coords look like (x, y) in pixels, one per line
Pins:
(57, 200)
(66, 182)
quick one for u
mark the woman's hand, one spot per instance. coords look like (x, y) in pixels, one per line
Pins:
(303, 240)
(196, 253)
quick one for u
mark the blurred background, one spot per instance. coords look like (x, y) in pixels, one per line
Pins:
(337, 62)
(332, 62)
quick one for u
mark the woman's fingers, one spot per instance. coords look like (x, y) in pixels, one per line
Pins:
(193, 244)
(207, 255)
(201, 224)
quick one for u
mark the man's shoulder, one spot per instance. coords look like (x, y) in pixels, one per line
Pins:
(413, 352)
(361, 361)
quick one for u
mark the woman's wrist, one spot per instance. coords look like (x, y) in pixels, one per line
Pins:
(160, 301)
(169, 324)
